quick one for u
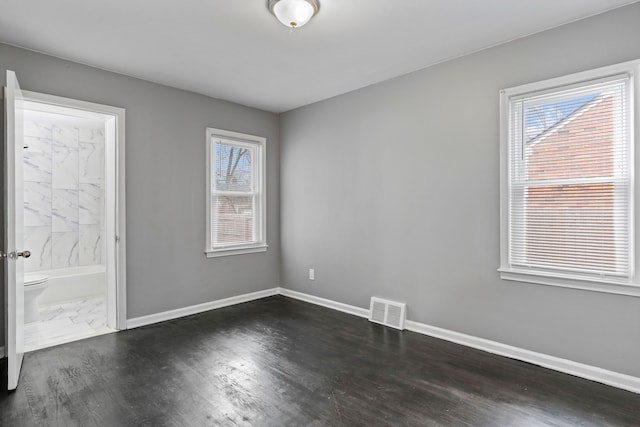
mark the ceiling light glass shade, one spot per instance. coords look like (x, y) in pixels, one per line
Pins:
(294, 13)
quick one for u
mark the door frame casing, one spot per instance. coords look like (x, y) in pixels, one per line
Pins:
(116, 228)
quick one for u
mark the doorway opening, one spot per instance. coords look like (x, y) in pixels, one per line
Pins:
(73, 206)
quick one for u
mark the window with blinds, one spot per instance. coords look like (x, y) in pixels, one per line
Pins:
(235, 193)
(569, 154)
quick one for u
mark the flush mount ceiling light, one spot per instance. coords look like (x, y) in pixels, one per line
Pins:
(294, 13)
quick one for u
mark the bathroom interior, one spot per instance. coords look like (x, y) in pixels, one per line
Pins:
(64, 226)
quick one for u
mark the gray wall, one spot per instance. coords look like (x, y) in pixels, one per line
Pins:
(165, 172)
(393, 191)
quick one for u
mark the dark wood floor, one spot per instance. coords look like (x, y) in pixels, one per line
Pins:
(281, 362)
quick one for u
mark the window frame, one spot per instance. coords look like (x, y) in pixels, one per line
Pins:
(623, 286)
(259, 178)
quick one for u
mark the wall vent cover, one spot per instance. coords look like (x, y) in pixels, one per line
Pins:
(388, 313)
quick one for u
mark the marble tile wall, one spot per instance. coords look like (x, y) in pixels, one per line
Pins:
(63, 196)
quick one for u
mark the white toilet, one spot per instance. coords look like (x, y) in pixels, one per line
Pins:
(34, 285)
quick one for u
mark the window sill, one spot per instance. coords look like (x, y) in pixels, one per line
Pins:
(213, 253)
(610, 286)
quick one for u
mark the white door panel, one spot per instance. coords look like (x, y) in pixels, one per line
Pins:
(13, 216)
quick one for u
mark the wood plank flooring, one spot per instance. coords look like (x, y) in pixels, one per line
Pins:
(282, 362)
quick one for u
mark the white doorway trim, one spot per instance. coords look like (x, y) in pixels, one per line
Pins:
(115, 215)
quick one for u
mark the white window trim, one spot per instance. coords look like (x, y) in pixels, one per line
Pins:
(627, 286)
(260, 246)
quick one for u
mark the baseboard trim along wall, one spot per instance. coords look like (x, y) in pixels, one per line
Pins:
(615, 379)
(345, 308)
(136, 322)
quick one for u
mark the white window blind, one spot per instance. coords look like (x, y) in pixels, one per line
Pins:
(236, 190)
(569, 173)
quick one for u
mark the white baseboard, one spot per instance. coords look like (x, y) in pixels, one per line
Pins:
(615, 379)
(346, 308)
(199, 308)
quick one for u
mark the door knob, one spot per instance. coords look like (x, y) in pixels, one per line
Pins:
(25, 254)
(15, 255)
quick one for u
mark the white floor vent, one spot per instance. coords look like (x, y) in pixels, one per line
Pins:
(388, 313)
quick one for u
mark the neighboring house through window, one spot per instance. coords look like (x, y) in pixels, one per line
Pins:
(567, 181)
(235, 193)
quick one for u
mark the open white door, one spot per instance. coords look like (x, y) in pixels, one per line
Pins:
(13, 217)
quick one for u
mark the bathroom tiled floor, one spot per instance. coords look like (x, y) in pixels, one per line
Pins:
(71, 321)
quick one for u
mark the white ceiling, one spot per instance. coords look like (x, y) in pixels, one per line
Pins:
(237, 51)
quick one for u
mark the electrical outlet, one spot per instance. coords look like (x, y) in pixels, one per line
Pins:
(312, 274)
